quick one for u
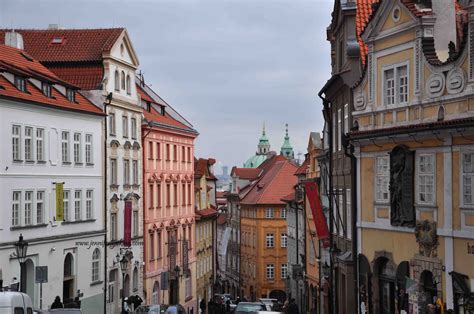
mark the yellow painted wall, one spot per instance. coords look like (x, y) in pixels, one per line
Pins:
(367, 191)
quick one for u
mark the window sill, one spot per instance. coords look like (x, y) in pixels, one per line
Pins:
(96, 283)
(78, 164)
(29, 161)
(427, 206)
(466, 207)
(382, 203)
(77, 222)
(41, 161)
(136, 186)
(28, 227)
(89, 164)
(17, 161)
(66, 162)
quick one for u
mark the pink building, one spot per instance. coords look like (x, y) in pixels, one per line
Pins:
(168, 202)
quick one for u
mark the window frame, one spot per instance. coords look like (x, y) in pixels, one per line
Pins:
(135, 172)
(95, 267)
(77, 205)
(30, 138)
(124, 126)
(284, 240)
(133, 125)
(66, 204)
(28, 219)
(384, 176)
(270, 271)
(40, 145)
(89, 204)
(77, 147)
(462, 175)
(46, 89)
(418, 178)
(65, 149)
(16, 208)
(126, 171)
(284, 271)
(396, 84)
(270, 240)
(20, 83)
(112, 124)
(269, 213)
(16, 141)
(88, 139)
(40, 212)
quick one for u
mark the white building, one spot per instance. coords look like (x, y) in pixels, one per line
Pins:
(51, 134)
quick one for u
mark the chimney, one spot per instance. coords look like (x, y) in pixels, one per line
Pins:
(14, 39)
(54, 26)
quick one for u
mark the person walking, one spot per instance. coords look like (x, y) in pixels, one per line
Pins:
(202, 306)
(293, 308)
(57, 304)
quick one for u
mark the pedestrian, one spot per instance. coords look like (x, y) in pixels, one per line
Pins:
(57, 304)
(430, 309)
(77, 302)
(202, 306)
(293, 308)
(237, 301)
(227, 306)
(450, 311)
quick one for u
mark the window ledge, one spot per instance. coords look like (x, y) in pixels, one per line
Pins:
(78, 163)
(41, 161)
(136, 186)
(89, 164)
(17, 160)
(66, 162)
(381, 203)
(467, 207)
(96, 283)
(30, 161)
(427, 206)
(77, 221)
(28, 227)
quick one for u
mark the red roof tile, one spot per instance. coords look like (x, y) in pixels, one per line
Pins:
(303, 168)
(201, 168)
(86, 76)
(363, 14)
(12, 59)
(77, 45)
(155, 116)
(246, 173)
(206, 213)
(276, 183)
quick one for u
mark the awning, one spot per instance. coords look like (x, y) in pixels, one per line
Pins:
(460, 283)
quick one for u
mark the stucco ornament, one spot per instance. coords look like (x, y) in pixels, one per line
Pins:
(360, 103)
(435, 85)
(455, 81)
(426, 237)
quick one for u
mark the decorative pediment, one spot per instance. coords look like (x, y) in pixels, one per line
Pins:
(178, 223)
(172, 223)
(136, 145)
(152, 179)
(155, 227)
(114, 198)
(162, 225)
(131, 196)
(114, 143)
(127, 145)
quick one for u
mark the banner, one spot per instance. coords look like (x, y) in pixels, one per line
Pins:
(127, 235)
(59, 201)
(185, 256)
(318, 215)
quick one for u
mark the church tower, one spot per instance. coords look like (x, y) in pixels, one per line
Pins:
(263, 144)
(263, 150)
(286, 148)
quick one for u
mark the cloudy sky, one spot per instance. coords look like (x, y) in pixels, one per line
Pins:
(228, 66)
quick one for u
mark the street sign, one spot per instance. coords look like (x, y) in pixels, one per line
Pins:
(41, 274)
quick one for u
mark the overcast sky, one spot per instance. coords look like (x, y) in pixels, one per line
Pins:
(226, 66)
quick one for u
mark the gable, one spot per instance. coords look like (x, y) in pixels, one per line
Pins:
(397, 15)
(122, 50)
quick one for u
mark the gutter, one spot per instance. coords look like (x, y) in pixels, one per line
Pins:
(108, 101)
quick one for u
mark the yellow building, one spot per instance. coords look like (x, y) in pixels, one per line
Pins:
(206, 214)
(414, 142)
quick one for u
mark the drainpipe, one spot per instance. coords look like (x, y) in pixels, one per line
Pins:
(106, 104)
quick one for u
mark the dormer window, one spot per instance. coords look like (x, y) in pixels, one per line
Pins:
(148, 106)
(129, 87)
(20, 83)
(117, 81)
(122, 80)
(46, 88)
(162, 110)
(57, 40)
(71, 95)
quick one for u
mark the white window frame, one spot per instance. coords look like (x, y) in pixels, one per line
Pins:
(269, 213)
(269, 240)
(77, 205)
(66, 204)
(28, 207)
(284, 240)
(418, 178)
(29, 145)
(16, 142)
(65, 146)
(112, 124)
(270, 271)
(346, 118)
(95, 265)
(113, 171)
(124, 126)
(77, 140)
(126, 171)
(40, 201)
(88, 149)
(382, 176)
(283, 213)
(348, 214)
(339, 129)
(135, 171)
(133, 122)
(396, 84)
(40, 144)
(466, 174)
(113, 226)
(284, 271)
(136, 223)
(89, 204)
(16, 208)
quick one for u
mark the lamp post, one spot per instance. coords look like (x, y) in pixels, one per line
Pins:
(123, 267)
(21, 247)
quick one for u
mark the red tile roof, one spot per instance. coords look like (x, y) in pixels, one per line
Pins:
(77, 45)
(289, 198)
(201, 168)
(303, 168)
(144, 96)
(363, 14)
(220, 194)
(86, 76)
(206, 213)
(246, 173)
(276, 183)
(17, 61)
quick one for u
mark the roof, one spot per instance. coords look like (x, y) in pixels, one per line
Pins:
(16, 61)
(206, 212)
(246, 173)
(220, 194)
(363, 15)
(74, 45)
(255, 161)
(276, 183)
(201, 168)
(289, 198)
(221, 219)
(86, 76)
(303, 168)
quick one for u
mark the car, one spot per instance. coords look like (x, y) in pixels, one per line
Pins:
(269, 303)
(65, 311)
(249, 307)
(146, 309)
(15, 302)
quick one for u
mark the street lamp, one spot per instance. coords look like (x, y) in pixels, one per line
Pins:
(21, 247)
(123, 267)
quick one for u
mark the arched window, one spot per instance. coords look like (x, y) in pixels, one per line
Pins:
(155, 297)
(135, 279)
(68, 266)
(129, 87)
(96, 265)
(122, 80)
(117, 80)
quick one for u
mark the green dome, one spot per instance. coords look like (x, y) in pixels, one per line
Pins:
(255, 161)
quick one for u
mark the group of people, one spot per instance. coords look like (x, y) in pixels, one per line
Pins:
(68, 304)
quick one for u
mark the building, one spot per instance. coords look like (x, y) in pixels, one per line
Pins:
(263, 230)
(263, 151)
(338, 104)
(413, 142)
(286, 149)
(169, 221)
(54, 144)
(103, 63)
(206, 229)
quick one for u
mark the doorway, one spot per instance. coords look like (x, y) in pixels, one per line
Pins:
(69, 279)
(30, 279)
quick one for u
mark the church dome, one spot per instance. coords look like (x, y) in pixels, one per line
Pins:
(255, 161)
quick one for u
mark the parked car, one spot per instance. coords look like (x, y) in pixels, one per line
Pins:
(65, 311)
(248, 307)
(146, 309)
(269, 303)
(15, 302)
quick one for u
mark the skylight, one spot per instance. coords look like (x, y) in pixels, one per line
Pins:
(57, 40)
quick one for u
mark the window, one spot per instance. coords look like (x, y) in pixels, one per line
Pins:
(89, 149)
(348, 214)
(135, 277)
(333, 136)
(129, 87)
(111, 289)
(270, 240)
(150, 151)
(189, 155)
(40, 144)
(135, 171)
(77, 205)
(117, 81)
(89, 200)
(158, 195)
(112, 123)
(122, 80)
(339, 129)
(77, 148)
(65, 146)
(175, 198)
(135, 223)
(134, 128)
(16, 208)
(183, 194)
(152, 246)
(340, 217)
(20, 83)
(382, 179)
(71, 95)
(426, 179)
(113, 226)
(270, 271)
(167, 152)
(189, 194)
(16, 146)
(158, 247)
(346, 118)
(468, 179)
(284, 240)
(46, 89)
(189, 287)
(284, 271)
(158, 151)
(269, 213)
(125, 126)
(396, 85)
(66, 205)
(175, 152)
(150, 195)
(168, 195)
(283, 213)
(40, 207)
(126, 171)
(96, 265)
(113, 171)
(28, 143)
(183, 154)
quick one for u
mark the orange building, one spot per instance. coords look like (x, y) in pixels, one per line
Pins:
(264, 263)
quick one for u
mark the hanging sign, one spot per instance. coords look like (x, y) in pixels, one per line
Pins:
(185, 256)
(318, 216)
(127, 236)
(59, 201)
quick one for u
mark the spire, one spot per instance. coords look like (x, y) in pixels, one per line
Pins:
(264, 143)
(286, 148)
